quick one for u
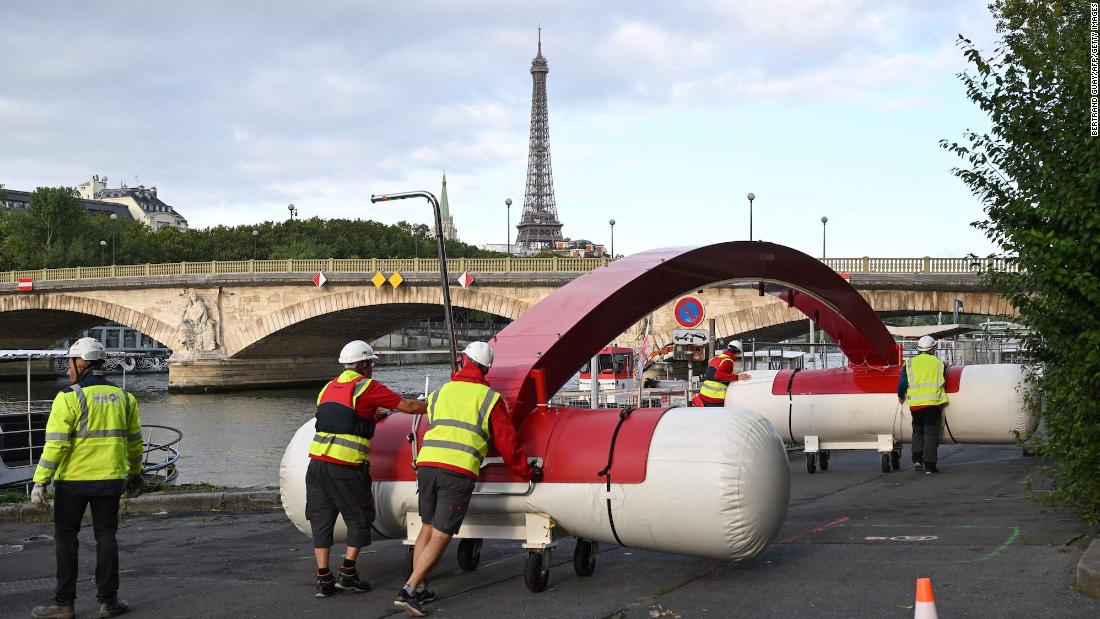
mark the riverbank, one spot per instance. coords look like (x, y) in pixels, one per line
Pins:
(167, 502)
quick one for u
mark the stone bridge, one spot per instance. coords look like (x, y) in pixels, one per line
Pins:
(247, 324)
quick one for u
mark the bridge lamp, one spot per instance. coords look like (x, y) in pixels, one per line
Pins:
(824, 220)
(255, 233)
(293, 210)
(508, 225)
(114, 227)
(611, 222)
(102, 251)
(751, 197)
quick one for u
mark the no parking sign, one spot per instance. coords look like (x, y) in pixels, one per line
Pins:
(689, 312)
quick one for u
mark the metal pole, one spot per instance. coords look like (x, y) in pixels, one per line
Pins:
(508, 225)
(813, 350)
(594, 386)
(441, 250)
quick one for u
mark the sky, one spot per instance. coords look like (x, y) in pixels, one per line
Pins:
(663, 115)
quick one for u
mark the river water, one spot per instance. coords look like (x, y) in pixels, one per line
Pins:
(232, 439)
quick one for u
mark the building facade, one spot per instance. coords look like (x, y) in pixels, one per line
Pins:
(141, 202)
(13, 198)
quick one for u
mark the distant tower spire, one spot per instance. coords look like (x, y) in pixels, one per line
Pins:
(449, 231)
(539, 226)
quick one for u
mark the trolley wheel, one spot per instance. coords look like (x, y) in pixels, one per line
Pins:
(537, 573)
(823, 460)
(886, 462)
(584, 557)
(407, 562)
(895, 459)
(469, 554)
(811, 463)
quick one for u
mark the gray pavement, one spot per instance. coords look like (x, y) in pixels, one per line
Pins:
(854, 542)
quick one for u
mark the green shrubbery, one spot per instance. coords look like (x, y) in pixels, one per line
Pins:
(1038, 174)
(56, 232)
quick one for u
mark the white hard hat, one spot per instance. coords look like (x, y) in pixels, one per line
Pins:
(88, 349)
(356, 351)
(735, 345)
(926, 343)
(480, 353)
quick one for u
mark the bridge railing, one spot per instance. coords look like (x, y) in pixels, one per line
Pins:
(478, 265)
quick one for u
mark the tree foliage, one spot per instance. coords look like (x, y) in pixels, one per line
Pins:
(56, 232)
(1037, 172)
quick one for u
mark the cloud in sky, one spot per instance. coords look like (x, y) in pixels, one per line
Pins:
(235, 109)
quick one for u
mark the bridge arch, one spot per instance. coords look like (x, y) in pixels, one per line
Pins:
(777, 321)
(385, 310)
(39, 321)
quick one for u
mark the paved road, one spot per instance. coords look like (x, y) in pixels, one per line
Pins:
(854, 542)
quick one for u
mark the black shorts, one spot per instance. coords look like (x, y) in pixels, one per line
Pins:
(444, 497)
(337, 490)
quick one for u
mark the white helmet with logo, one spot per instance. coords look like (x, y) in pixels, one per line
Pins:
(356, 351)
(88, 349)
(734, 345)
(926, 343)
(480, 353)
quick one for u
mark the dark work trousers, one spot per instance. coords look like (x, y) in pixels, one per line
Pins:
(68, 510)
(926, 434)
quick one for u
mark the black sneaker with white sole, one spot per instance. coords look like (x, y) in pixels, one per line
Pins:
(349, 581)
(931, 470)
(411, 604)
(326, 586)
(918, 467)
(425, 595)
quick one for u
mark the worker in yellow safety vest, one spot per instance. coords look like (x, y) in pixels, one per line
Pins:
(93, 454)
(465, 415)
(720, 373)
(338, 481)
(922, 383)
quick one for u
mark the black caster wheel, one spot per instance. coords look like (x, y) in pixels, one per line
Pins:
(469, 554)
(811, 463)
(584, 557)
(886, 463)
(537, 573)
(823, 460)
(407, 562)
(895, 459)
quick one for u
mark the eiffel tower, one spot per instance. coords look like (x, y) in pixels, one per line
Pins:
(539, 227)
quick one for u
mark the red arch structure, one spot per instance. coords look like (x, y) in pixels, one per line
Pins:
(561, 332)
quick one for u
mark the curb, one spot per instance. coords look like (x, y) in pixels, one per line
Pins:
(1088, 571)
(163, 504)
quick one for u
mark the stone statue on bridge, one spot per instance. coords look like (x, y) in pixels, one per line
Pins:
(198, 328)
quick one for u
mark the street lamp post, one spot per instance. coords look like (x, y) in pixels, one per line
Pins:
(508, 225)
(441, 252)
(255, 233)
(293, 211)
(611, 222)
(102, 252)
(751, 197)
(114, 227)
(824, 220)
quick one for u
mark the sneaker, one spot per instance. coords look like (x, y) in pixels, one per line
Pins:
(931, 470)
(425, 595)
(918, 466)
(53, 610)
(349, 581)
(326, 586)
(113, 608)
(410, 604)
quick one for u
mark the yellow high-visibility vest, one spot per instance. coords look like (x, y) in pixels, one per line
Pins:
(93, 434)
(459, 433)
(926, 383)
(349, 448)
(713, 389)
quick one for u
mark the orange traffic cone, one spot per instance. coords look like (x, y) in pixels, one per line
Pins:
(925, 607)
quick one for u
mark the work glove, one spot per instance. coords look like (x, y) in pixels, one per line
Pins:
(536, 473)
(38, 497)
(135, 486)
